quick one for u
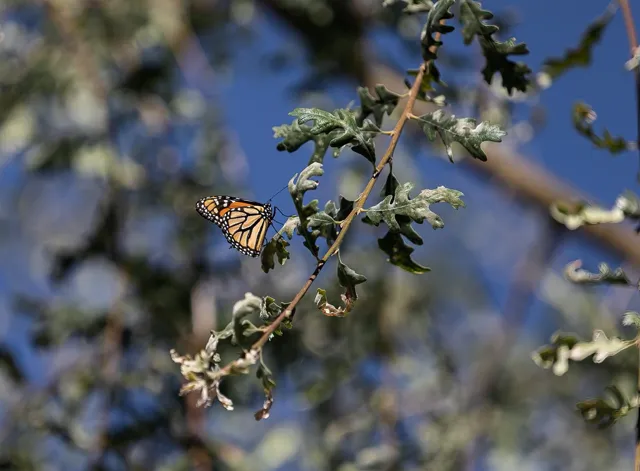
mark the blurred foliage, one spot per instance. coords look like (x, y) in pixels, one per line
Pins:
(109, 136)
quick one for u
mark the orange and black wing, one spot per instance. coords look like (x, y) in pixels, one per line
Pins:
(243, 223)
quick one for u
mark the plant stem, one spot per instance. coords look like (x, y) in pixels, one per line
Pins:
(357, 207)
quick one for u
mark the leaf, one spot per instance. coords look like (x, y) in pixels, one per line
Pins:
(295, 135)
(251, 304)
(496, 53)
(266, 378)
(567, 347)
(432, 75)
(583, 117)
(411, 6)
(348, 279)
(359, 138)
(400, 253)
(297, 189)
(417, 208)
(601, 347)
(276, 247)
(464, 131)
(438, 13)
(631, 318)
(472, 17)
(603, 412)
(573, 273)
(324, 223)
(514, 74)
(384, 103)
(581, 55)
(575, 215)
(326, 308)
(271, 310)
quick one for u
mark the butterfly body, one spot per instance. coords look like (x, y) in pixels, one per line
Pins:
(244, 223)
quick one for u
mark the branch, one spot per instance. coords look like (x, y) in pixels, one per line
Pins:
(357, 207)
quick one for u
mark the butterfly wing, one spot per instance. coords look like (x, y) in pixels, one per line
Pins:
(243, 223)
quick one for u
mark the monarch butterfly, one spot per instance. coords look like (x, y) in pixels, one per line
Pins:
(243, 223)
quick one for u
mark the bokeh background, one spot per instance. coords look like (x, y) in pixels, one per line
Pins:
(117, 115)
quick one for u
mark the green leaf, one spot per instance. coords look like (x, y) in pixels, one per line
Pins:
(324, 223)
(276, 247)
(384, 103)
(439, 12)
(348, 279)
(251, 304)
(266, 378)
(321, 219)
(417, 208)
(295, 135)
(411, 6)
(581, 55)
(583, 117)
(605, 412)
(400, 253)
(631, 318)
(327, 308)
(575, 215)
(464, 131)
(514, 75)
(567, 347)
(472, 17)
(359, 138)
(616, 277)
(297, 189)
(432, 75)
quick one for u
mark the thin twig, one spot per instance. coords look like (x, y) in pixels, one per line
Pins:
(397, 130)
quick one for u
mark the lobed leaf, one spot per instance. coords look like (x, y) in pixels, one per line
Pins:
(411, 6)
(324, 223)
(435, 24)
(296, 135)
(573, 273)
(266, 378)
(275, 248)
(583, 117)
(400, 253)
(348, 279)
(605, 412)
(496, 53)
(359, 138)
(578, 214)
(581, 55)
(417, 209)
(384, 103)
(464, 131)
(565, 347)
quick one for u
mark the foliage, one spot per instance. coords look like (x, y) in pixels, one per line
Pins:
(583, 117)
(464, 131)
(581, 55)
(514, 74)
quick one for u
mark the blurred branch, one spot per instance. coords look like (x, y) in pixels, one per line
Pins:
(633, 45)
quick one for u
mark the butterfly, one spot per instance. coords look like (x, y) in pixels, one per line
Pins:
(243, 223)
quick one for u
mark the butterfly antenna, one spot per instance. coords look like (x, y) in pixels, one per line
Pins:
(278, 209)
(279, 191)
